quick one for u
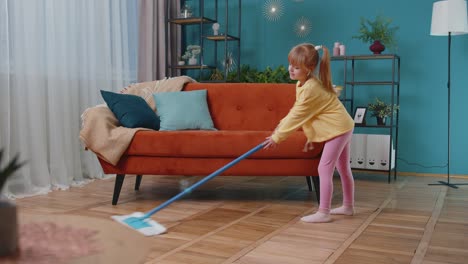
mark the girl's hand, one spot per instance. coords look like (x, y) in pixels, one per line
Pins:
(308, 146)
(269, 143)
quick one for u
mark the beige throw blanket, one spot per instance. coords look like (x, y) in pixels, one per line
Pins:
(101, 131)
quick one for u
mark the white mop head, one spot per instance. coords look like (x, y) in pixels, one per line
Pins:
(146, 226)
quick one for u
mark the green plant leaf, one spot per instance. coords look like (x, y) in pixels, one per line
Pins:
(381, 109)
(378, 29)
(9, 170)
(279, 74)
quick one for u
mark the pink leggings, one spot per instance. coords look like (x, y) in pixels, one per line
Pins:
(336, 153)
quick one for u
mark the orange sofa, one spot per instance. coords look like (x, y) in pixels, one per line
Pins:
(244, 114)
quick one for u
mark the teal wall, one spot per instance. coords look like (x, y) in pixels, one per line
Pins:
(422, 142)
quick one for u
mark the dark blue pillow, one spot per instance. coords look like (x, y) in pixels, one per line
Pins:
(132, 111)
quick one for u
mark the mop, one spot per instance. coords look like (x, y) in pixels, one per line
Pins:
(142, 222)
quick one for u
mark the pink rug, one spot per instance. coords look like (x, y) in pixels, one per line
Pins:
(46, 242)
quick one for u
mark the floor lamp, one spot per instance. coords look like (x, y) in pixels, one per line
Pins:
(449, 17)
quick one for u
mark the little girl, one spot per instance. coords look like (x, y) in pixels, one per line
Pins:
(323, 118)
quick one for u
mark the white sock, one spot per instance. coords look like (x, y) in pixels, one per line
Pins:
(318, 217)
(343, 210)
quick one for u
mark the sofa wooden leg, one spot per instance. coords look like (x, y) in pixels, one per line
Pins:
(309, 182)
(316, 181)
(119, 179)
(137, 182)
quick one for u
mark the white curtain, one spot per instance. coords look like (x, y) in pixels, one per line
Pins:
(152, 48)
(55, 57)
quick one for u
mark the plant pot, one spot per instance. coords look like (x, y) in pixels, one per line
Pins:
(377, 47)
(381, 121)
(8, 228)
(192, 61)
(181, 63)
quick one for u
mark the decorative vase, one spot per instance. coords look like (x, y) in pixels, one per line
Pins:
(342, 50)
(381, 121)
(192, 61)
(377, 47)
(8, 228)
(186, 10)
(336, 49)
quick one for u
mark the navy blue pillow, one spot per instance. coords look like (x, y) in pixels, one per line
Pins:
(132, 111)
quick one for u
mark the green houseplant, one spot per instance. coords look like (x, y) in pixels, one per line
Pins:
(247, 74)
(381, 110)
(8, 224)
(377, 32)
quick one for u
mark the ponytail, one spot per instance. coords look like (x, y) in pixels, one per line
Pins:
(307, 56)
(325, 71)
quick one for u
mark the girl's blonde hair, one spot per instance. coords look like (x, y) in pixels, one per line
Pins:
(306, 56)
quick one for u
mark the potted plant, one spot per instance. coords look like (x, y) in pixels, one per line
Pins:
(191, 54)
(216, 75)
(381, 110)
(377, 32)
(8, 224)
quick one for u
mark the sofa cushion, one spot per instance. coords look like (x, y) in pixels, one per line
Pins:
(183, 110)
(247, 106)
(216, 144)
(132, 111)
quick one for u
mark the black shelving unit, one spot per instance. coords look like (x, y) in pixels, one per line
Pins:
(350, 84)
(199, 22)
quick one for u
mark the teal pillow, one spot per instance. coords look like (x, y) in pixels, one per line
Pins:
(132, 111)
(183, 110)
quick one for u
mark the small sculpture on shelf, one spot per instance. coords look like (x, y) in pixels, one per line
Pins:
(229, 63)
(215, 29)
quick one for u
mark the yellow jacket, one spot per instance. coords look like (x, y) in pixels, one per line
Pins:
(319, 112)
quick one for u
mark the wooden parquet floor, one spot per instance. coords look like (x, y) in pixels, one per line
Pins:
(256, 220)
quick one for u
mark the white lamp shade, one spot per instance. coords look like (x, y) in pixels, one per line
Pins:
(449, 16)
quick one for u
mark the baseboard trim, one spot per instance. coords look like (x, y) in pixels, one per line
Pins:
(435, 175)
(456, 176)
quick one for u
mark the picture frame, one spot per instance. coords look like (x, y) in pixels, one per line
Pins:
(360, 116)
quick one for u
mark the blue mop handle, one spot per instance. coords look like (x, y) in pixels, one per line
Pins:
(202, 181)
